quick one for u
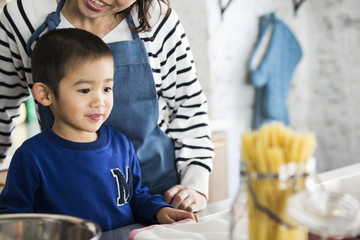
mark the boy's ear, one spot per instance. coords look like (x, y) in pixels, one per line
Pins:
(42, 93)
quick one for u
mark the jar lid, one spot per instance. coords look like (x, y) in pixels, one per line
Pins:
(326, 213)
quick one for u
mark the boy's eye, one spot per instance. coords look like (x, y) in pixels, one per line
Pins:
(107, 89)
(84, 90)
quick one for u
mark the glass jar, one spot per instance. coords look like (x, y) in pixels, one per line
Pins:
(292, 205)
(259, 211)
(326, 215)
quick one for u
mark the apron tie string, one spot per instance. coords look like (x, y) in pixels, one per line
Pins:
(51, 22)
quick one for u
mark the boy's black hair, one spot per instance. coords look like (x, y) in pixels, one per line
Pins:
(59, 51)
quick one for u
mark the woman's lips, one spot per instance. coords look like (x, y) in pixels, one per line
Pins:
(97, 5)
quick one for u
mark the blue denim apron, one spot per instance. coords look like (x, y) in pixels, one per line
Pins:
(135, 112)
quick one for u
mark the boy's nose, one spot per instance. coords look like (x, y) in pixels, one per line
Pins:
(97, 101)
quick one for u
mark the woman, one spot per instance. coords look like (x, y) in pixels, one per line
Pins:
(160, 105)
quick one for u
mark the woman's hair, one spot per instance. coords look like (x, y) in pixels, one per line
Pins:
(144, 13)
(59, 51)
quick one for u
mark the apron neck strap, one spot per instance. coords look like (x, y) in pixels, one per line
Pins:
(130, 21)
(51, 22)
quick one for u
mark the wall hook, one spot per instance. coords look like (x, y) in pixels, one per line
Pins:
(224, 6)
(297, 4)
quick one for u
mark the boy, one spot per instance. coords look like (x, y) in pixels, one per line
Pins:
(79, 167)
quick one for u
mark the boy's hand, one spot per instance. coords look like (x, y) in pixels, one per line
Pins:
(171, 215)
(185, 198)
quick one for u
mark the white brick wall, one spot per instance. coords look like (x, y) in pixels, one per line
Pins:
(325, 89)
(333, 29)
(325, 93)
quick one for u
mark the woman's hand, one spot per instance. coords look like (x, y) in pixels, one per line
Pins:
(171, 215)
(185, 198)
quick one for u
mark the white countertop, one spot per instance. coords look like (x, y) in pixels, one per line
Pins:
(219, 209)
(342, 180)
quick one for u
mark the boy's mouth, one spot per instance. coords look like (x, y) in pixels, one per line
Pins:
(96, 117)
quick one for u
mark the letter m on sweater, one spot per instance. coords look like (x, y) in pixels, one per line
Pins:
(124, 185)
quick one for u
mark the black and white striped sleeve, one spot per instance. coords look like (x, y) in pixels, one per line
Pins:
(13, 73)
(182, 103)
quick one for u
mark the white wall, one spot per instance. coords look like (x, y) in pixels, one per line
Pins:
(325, 89)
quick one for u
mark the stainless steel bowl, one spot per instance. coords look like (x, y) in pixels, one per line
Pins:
(34, 226)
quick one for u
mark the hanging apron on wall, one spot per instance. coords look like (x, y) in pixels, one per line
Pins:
(272, 77)
(135, 112)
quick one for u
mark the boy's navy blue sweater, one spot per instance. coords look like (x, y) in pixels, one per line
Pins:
(99, 181)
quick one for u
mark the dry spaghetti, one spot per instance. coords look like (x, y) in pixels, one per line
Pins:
(268, 153)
